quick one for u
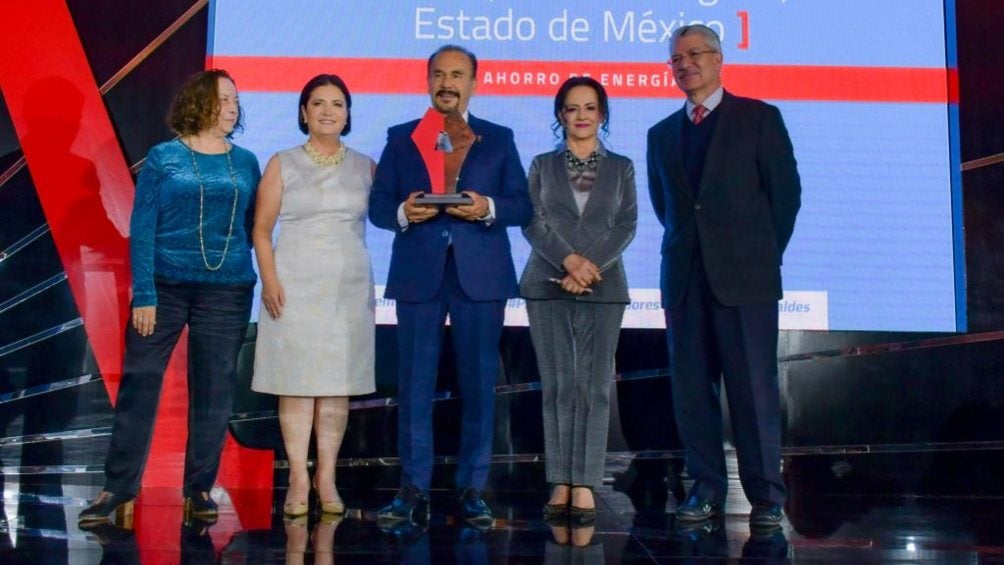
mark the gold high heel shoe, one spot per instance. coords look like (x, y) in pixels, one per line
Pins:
(294, 509)
(335, 506)
(295, 521)
(331, 518)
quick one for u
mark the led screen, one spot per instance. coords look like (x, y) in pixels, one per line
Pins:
(863, 86)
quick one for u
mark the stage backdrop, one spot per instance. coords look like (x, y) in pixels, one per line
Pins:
(865, 87)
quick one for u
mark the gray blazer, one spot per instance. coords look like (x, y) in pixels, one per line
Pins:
(600, 233)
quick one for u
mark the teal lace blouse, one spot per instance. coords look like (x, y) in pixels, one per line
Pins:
(164, 230)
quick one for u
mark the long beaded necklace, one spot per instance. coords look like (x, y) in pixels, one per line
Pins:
(202, 197)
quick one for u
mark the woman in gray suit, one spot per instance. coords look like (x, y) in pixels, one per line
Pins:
(576, 291)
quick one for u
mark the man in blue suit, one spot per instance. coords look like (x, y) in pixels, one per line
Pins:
(454, 261)
(724, 183)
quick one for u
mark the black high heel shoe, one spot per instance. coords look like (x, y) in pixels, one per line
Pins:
(200, 507)
(578, 516)
(97, 513)
(557, 514)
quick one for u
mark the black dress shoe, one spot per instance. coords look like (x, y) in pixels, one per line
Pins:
(107, 503)
(200, 507)
(409, 504)
(695, 531)
(766, 515)
(407, 532)
(473, 507)
(697, 509)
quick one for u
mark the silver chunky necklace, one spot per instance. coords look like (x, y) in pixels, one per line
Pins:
(202, 197)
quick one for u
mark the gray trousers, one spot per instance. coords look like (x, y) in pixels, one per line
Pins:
(575, 344)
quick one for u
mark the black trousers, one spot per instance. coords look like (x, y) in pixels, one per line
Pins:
(217, 318)
(709, 341)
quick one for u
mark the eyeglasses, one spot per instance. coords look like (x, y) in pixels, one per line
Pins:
(678, 59)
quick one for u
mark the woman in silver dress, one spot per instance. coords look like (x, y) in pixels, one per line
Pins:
(315, 345)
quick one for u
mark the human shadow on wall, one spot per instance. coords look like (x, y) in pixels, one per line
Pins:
(93, 254)
(94, 251)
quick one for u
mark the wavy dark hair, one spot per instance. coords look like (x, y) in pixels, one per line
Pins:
(324, 80)
(196, 106)
(559, 104)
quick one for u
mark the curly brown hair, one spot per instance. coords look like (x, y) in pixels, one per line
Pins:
(197, 105)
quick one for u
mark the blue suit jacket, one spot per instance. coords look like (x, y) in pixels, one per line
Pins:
(481, 250)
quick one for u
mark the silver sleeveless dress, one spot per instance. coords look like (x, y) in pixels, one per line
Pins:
(323, 344)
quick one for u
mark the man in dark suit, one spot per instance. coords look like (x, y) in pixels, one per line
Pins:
(724, 184)
(455, 262)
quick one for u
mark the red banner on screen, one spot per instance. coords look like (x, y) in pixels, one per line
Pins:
(628, 80)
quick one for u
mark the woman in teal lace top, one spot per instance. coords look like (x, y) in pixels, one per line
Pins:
(191, 266)
(167, 210)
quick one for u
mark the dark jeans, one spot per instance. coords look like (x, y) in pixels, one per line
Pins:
(217, 318)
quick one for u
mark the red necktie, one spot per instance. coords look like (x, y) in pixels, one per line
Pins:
(699, 111)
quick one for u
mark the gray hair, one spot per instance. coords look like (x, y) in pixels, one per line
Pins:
(709, 35)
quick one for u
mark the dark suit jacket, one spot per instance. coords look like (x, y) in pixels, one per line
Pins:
(744, 211)
(600, 234)
(481, 250)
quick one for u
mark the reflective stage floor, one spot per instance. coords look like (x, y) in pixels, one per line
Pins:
(825, 522)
